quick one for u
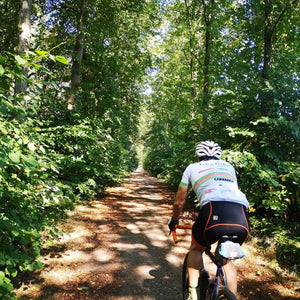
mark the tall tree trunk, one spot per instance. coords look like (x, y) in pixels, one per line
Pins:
(268, 34)
(208, 12)
(268, 44)
(271, 22)
(190, 56)
(78, 53)
(24, 39)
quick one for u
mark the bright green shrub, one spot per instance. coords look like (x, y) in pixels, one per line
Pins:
(45, 168)
(88, 157)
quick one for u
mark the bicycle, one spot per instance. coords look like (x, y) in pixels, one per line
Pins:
(215, 288)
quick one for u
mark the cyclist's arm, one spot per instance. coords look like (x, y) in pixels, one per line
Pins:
(179, 201)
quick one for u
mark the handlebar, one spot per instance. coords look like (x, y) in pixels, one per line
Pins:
(181, 226)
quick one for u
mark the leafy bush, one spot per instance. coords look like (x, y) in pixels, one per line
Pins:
(88, 156)
(259, 182)
(155, 162)
(46, 167)
(30, 199)
(283, 236)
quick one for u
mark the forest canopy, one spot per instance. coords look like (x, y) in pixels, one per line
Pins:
(91, 88)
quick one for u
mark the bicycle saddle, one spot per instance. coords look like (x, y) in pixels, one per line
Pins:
(229, 249)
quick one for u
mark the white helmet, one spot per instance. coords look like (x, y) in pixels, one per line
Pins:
(208, 149)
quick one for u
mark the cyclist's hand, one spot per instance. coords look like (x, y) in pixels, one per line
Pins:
(172, 224)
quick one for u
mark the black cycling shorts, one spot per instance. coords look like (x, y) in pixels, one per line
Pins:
(218, 218)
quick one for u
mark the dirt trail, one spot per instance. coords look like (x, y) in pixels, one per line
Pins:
(118, 247)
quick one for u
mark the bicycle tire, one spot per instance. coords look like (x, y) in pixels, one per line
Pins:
(185, 279)
(210, 291)
(203, 284)
(225, 294)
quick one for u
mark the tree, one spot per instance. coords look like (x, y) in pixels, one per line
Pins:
(238, 59)
(273, 15)
(52, 158)
(9, 18)
(208, 11)
(78, 53)
(24, 40)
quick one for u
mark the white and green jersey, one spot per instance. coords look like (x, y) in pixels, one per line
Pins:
(213, 180)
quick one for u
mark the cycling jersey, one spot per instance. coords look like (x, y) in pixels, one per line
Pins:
(213, 180)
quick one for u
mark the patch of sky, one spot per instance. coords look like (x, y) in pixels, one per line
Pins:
(51, 9)
(166, 2)
(152, 71)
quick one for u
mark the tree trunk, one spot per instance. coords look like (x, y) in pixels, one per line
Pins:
(271, 22)
(190, 56)
(24, 39)
(208, 11)
(77, 59)
(268, 33)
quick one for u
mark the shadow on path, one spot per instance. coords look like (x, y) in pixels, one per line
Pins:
(116, 247)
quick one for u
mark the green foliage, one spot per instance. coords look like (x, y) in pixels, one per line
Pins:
(281, 235)
(31, 198)
(88, 157)
(252, 113)
(45, 168)
(259, 182)
(156, 161)
(50, 157)
(206, 74)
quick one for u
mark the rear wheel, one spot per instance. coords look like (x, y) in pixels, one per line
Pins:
(203, 284)
(185, 279)
(210, 291)
(225, 294)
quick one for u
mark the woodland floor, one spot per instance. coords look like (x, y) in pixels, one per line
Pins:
(118, 247)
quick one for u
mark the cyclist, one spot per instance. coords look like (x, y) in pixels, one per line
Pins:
(223, 209)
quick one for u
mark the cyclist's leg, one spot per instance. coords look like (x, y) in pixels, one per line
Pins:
(232, 221)
(198, 246)
(231, 276)
(194, 264)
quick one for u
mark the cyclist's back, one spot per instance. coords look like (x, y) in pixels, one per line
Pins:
(213, 180)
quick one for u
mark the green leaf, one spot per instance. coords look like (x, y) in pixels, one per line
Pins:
(39, 265)
(31, 146)
(11, 271)
(38, 67)
(36, 265)
(30, 160)
(41, 53)
(1, 70)
(2, 275)
(20, 60)
(2, 59)
(15, 156)
(4, 85)
(61, 59)
(2, 164)
(15, 233)
(269, 85)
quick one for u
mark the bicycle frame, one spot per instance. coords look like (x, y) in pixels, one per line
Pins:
(219, 273)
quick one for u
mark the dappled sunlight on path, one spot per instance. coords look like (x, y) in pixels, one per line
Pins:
(118, 247)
